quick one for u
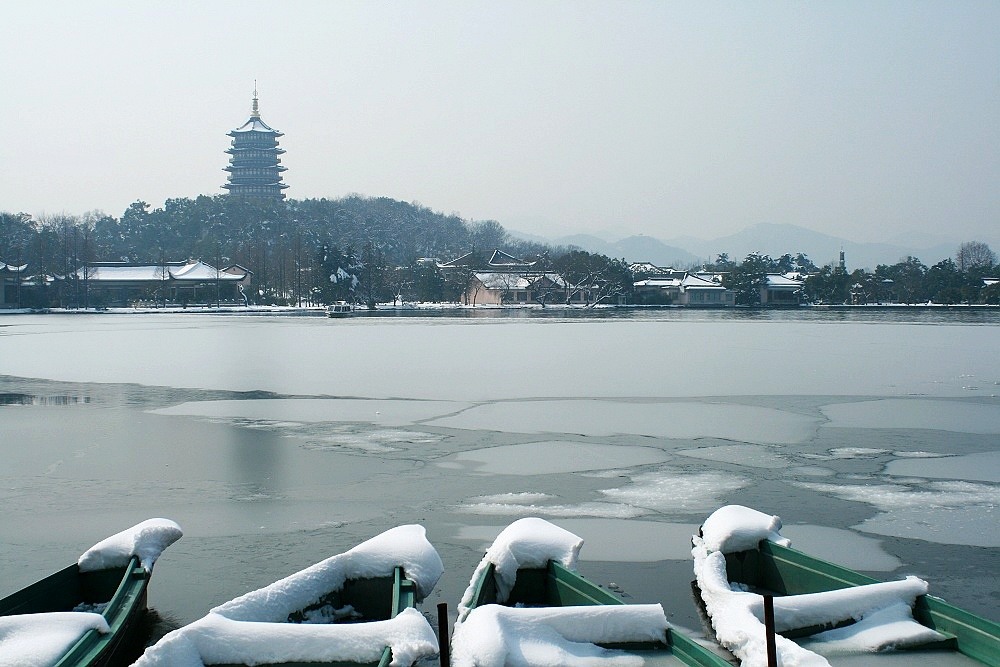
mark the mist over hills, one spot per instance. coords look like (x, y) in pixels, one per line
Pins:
(765, 238)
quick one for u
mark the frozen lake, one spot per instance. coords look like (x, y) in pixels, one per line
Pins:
(278, 441)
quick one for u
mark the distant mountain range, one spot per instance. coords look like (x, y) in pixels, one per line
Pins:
(768, 239)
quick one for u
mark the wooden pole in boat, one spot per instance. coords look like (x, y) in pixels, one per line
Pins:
(772, 651)
(443, 643)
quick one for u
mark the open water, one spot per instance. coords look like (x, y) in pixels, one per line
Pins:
(278, 441)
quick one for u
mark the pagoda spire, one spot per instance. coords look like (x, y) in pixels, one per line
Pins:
(254, 164)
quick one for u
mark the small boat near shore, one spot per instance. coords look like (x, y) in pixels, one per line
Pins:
(339, 309)
(355, 608)
(821, 609)
(88, 614)
(527, 599)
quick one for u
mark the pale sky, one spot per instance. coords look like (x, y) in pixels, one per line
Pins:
(863, 119)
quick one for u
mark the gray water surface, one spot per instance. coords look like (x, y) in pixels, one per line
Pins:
(277, 442)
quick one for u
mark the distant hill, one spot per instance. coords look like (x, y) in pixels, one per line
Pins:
(776, 240)
(766, 238)
(632, 248)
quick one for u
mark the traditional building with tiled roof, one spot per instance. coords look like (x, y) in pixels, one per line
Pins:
(254, 166)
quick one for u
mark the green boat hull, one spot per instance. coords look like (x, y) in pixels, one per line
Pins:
(784, 571)
(376, 599)
(557, 586)
(124, 590)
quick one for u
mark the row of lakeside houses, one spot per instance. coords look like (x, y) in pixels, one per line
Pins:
(103, 284)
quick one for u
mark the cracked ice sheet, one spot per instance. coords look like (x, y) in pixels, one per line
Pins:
(754, 456)
(843, 547)
(602, 418)
(385, 412)
(671, 491)
(638, 541)
(941, 512)
(982, 467)
(647, 493)
(955, 416)
(553, 457)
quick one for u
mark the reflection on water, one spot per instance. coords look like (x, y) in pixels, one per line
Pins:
(30, 399)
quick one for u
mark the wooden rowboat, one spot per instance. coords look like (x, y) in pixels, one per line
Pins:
(118, 594)
(558, 586)
(781, 571)
(375, 599)
(354, 608)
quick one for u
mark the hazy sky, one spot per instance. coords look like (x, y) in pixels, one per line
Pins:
(860, 119)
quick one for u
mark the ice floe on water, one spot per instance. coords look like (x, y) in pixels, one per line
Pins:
(942, 512)
(843, 547)
(383, 412)
(372, 441)
(518, 506)
(646, 493)
(982, 467)
(552, 457)
(603, 418)
(955, 416)
(671, 491)
(754, 456)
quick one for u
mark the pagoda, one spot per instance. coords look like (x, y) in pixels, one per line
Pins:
(254, 167)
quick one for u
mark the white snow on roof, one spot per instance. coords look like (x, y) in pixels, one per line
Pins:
(526, 543)
(499, 280)
(252, 627)
(255, 124)
(776, 280)
(737, 615)
(697, 282)
(147, 540)
(41, 639)
(194, 271)
(146, 273)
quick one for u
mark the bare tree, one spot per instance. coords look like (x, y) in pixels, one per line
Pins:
(975, 254)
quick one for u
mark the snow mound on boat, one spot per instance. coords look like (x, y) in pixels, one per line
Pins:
(498, 636)
(41, 639)
(251, 629)
(736, 528)
(216, 639)
(526, 543)
(404, 546)
(882, 611)
(147, 540)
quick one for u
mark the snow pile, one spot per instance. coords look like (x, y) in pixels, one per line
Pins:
(498, 636)
(252, 628)
(404, 546)
(736, 528)
(216, 639)
(147, 540)
(526, 543)
(882, 610)
(41, 639)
